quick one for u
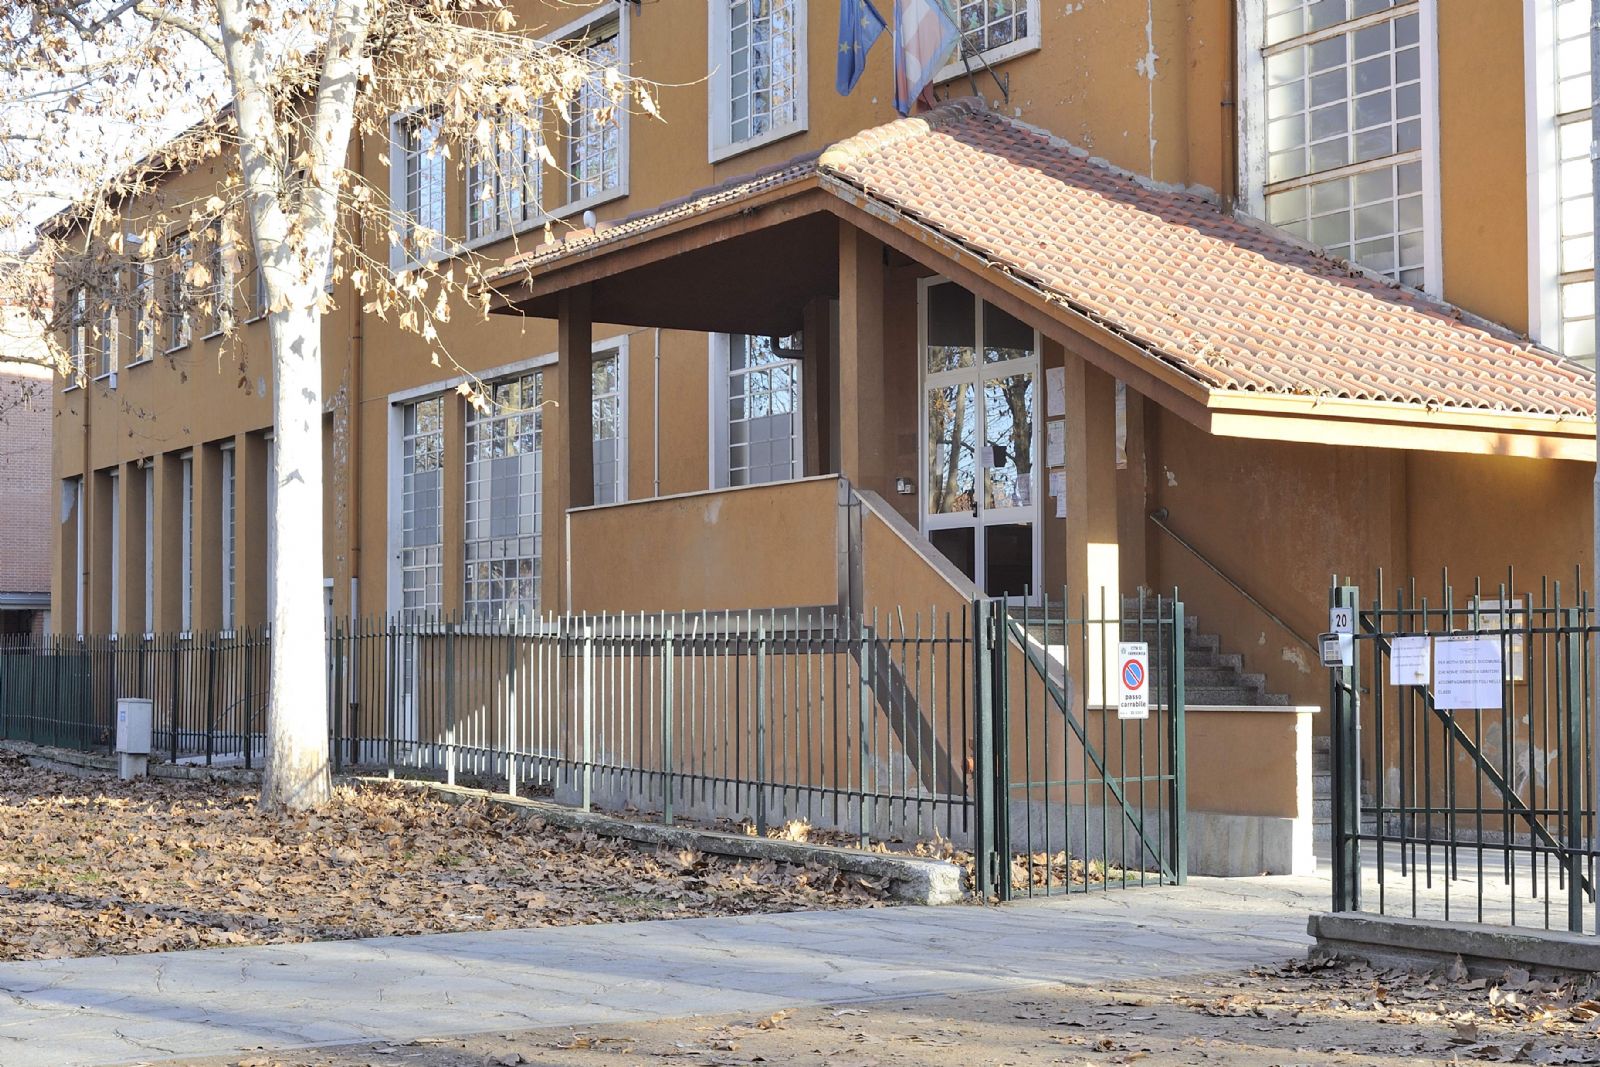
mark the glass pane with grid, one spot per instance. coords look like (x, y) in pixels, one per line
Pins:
(424, 178)
(610, 433)
(142, 309)
(177, 305)
(986, 24)
(422, 509)
(77, 327)
(594, 130)
(505, 179)
(504, 500)
(1344, 99)
(1574, 180)
(763, 412)
(1374, 218)
(763, 61)
(105, 329)
(215, 300)
(1295, 18)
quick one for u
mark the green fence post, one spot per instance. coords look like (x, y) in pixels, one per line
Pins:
(588, 716)
(666, 723)
(1346, 741)
(761, 728)
(864, 814)
(1180, 749)
(450, 703)
(211, 697)
(982, 754)
(1572, 756)
(1000, 716)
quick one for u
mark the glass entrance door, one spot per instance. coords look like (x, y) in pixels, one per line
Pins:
(980, 372)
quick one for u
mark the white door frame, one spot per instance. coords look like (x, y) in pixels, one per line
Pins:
(927, 522)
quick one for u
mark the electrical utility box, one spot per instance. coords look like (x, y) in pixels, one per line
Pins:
(134, 727)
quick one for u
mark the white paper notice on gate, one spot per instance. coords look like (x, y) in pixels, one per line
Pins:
(1409, 660)
(1133, 680)
(1467, 673)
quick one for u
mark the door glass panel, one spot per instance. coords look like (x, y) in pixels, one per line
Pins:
(952, 443)
(1004, 337)
(959, 546)
(1008, 559)
(1008, 457)
(952, 328)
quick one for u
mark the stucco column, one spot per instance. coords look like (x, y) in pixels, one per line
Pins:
(1093, 551)
(130, 551)
(168, 471)
(97, 542)
(859, 385)
(207, 537)
(250, 529)
(568, 437)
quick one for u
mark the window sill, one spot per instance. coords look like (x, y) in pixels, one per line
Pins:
(176, 349)
(252, 318)
(141, 361)
(213, 335)
(719, 153)
(103, 377)
(70, 387)
(993, 57)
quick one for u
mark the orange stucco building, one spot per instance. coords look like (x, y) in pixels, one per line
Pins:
(1228, 295)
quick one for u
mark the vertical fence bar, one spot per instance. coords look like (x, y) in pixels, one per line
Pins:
(1346, 786)
(983, 787)
(1179, 740)
(667, 671)
(588, 717)
(762, 711)
(1572, 756)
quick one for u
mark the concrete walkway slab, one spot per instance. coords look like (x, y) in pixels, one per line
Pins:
(144, 1009)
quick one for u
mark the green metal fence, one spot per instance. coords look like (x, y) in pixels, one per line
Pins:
(1463, 767)
(992, 728)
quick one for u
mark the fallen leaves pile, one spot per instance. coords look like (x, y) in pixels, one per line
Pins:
(1511, 1018)
(92, 866)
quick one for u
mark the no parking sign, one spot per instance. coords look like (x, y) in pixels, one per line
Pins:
(1133, 680)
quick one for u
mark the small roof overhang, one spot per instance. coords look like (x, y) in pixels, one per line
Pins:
(1235, 326)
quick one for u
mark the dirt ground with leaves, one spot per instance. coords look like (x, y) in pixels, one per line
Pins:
(1298, 1013)
(93, 866)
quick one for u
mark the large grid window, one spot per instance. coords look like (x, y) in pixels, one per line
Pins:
(594, 126)
(422, 180)
(505, 179)
(763, 443)
(504, 498)
(77, 330)
(186, 534)
(229, 540)
(610, 412)
(422, 509)
(1574, 124)
(1344, 127)
(216, 303)
(105, 331)
(178, 299)
(142, 309)
(762, 77)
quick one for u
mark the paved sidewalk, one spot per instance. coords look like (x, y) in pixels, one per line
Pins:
(141, 1009)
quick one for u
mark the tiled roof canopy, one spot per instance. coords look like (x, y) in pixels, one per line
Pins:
(1233, 305)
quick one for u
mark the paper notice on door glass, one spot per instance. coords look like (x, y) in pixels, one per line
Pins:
(1061, 506)
(1467, 673)
(1055, 452)
(986, 456)
(1025, 489)
(1058, 483)
(1409, 661)
(1055, 380)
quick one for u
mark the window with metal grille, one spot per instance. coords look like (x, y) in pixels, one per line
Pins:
(215, 301)
(142, 309)
(229, 539)
(177, 306)
(986, 25)
(610, 413)
(422, 509)
(105, 331)
(505, 179)
(422, 168)
(1574, 106)
(77, 331)
(504, 496)
(759, 56)
(1345, 130)
(594, 123)
(763, 409)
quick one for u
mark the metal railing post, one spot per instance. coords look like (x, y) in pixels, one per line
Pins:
(1346, 741)
(1000, 716)
(211, 697)
(1572, 750)
(982, 753)
(761, 728)
(510, 741)
(340, 684)
(864, 671)
(667, 666)
(450, 703)
(1180, 749)
(588, 717)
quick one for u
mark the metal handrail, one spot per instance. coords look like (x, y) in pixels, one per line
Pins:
(1159, 517)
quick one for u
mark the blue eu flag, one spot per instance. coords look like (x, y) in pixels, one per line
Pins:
(859, 27)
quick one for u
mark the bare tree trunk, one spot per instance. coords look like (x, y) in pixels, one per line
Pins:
(297, 710)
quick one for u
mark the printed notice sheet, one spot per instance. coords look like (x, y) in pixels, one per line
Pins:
(1467, 673)
(1409, 660)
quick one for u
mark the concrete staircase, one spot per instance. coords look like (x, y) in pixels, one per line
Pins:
(1211, 677)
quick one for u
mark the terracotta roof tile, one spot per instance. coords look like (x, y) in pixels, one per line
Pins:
(1233, 304)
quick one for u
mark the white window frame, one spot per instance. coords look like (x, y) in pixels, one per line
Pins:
(178, 326)
(1252, 106)
(142, 298)
(397, 510)
(228, 500)
(719, 372)
(507, 607)
(1545, 320)
(148, 468)
(618, 345)
(77, 333)
(572, 32)
(401, 253)
(109, 330)
(186, 543)
(1032, 41)
(532, 212)
(221, 285)
(721, 144)
(115, 494)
